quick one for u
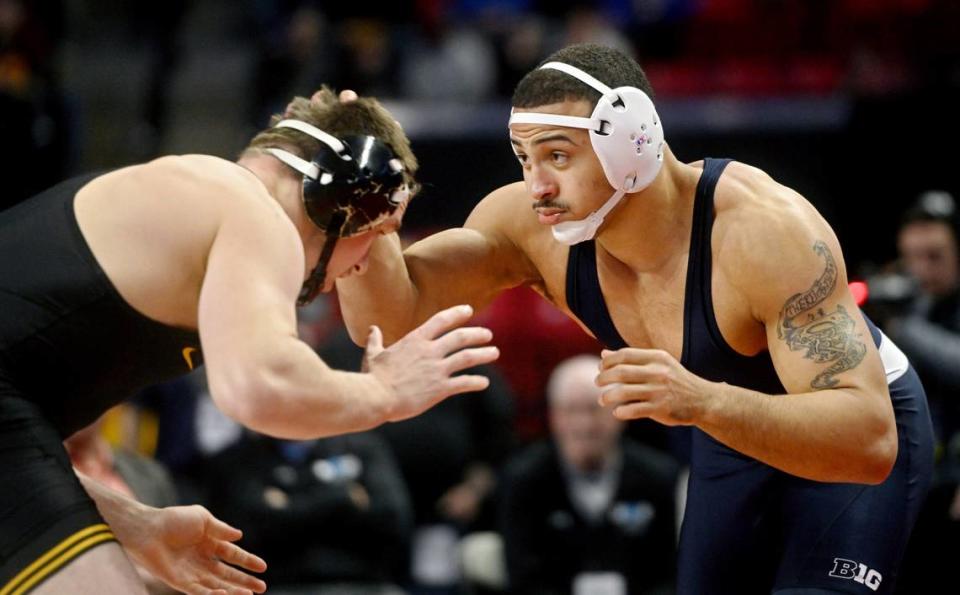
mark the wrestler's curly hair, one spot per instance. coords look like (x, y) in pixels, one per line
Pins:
(608, 65)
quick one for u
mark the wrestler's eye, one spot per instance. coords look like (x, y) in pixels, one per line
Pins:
(522, 158)
(558, 157)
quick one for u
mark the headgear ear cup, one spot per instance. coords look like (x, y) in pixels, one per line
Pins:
(352, 185)
(631, 148)
(626, 135)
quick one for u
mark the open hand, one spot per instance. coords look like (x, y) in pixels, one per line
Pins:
(418, 370)
(192, 551)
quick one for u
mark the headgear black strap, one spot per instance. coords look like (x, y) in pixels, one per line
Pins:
(314, 283)
(351, 186)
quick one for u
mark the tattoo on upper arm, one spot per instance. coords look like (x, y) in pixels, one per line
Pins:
(826, 336)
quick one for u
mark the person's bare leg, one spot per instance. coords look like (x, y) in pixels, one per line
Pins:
(104, 570)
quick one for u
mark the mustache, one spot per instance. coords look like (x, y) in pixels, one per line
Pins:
(549, 204)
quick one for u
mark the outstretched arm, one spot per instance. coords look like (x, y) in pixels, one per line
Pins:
(468, 265)
(262, 375)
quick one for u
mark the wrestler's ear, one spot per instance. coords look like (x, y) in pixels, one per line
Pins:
(346, 96)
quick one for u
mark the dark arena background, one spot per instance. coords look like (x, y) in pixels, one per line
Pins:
(852, 103)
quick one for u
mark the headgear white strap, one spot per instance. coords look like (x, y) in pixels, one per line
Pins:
(579, 74)
(555, 120)
(568, 121)
(305, 167)
(327, 139)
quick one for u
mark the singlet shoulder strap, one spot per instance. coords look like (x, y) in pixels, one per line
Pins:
(584, 297)
(698, 298)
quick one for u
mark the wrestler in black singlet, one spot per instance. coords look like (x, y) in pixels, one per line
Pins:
(748, 528)
(70, 348)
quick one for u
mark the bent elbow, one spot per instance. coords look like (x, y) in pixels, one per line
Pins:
(358, 325)
(239, 397)
(358, 333)
(882, 457)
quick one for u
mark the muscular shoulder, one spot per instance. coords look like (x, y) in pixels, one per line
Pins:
(505, 210)
(770, 241)
(175, 210)
(219, 187)
(204, 177)
(505, 218)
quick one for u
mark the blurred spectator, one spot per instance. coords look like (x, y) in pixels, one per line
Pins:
(921, 310)
(533, 337)
(448, 62)
(329, 516)
(589, 25)
(157, 24)
(521, 43)
(366, 57)
(34, 118)
(302, 44)
(294, 45)
(121, 469)
(449, 456)
(921, 313)
(589, 511)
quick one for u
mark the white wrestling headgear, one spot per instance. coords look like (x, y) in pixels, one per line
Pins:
(626, 135)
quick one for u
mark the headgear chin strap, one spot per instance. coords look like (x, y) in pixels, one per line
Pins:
(626, 135)
(352, 185)
(574, 232)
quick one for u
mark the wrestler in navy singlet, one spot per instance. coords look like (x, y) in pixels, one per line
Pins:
(749, 528)
(70, 348)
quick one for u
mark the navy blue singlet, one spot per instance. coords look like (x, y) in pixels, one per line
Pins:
(749, 528)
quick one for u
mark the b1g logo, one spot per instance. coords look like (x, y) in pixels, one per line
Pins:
(859, 573)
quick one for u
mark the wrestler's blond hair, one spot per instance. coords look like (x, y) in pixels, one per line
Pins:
(364, 116)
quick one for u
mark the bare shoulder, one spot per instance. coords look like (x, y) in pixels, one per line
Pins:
(507, 215)
(502, 208)
(180, 204)
(216, 186)
(755, 213)
(209, 178)
(175, 211)
(770, 240)
(508, 212)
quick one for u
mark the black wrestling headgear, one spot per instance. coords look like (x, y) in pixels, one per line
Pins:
(352, 185)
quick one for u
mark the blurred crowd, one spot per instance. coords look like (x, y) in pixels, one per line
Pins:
(464, 50)
(527, 487)
(472, 50)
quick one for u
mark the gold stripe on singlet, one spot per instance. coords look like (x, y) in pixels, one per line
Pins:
(56, 557)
